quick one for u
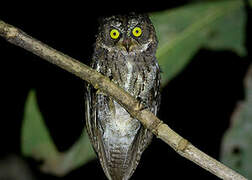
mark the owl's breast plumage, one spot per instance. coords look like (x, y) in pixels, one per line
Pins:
(134, 73)
(131, 74)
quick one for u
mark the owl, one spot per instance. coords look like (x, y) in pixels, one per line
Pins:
(124, 51)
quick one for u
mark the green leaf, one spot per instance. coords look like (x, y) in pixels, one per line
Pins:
(35, 138)
(79, 154)
(37, 143)
(184, 30)
(237, 141)
(228, 32)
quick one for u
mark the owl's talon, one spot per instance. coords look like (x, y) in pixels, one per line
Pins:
(110, 77)
(141, 104)
(96, 86)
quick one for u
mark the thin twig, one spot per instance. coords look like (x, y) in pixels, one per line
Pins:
(149, 120)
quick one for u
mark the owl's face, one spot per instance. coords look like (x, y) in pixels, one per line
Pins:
(128, 34)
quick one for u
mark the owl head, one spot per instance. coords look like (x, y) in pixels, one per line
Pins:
(131, 33)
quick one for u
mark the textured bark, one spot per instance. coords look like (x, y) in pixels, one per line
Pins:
(148, 119)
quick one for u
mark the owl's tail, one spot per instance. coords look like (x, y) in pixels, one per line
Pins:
(119, 162)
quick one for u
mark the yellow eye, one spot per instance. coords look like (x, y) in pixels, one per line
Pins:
(137, 31)
(114, 33)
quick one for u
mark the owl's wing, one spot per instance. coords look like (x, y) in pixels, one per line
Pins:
(94, 128)
(144, 136)
(91, 110)
(90, 114)
(153, 102)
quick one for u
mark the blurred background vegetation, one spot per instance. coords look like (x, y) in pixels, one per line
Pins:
(188, 33)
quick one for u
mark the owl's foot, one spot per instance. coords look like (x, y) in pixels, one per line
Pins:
(99, 92)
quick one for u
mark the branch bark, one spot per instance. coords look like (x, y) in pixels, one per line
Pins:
(149, 120)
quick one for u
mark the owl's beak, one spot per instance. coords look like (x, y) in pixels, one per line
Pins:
(127, 43)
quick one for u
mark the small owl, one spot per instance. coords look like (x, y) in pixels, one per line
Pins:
(125, 52)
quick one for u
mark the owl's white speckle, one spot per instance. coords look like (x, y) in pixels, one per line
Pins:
(145, 46)
(129, 75)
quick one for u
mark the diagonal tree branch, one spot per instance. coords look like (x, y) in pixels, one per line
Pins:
(149, 120)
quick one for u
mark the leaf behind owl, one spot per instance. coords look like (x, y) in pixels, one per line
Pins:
(183, 31)
(35, 138)
(37, 143)
(237, 141)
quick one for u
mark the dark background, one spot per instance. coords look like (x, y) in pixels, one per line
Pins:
(197, 104)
